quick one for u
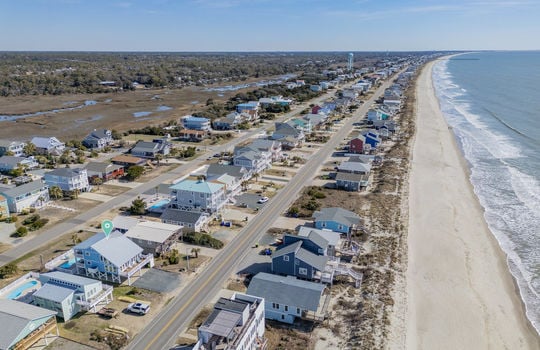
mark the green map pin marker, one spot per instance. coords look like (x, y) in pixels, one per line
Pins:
(107, 227)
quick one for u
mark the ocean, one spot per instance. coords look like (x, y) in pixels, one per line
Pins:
(492, 102)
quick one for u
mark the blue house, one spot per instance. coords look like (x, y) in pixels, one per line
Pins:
(196, 123)
(248, 106)
(301, 257)
(372, 138)
(114, 259)
(288, 298)
(336, 219)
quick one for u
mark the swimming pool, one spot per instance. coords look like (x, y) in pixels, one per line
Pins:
(17, 292)
(159, 204)
(68, 264)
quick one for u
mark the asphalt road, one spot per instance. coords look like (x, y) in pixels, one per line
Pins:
(162, 332)
(79, 222)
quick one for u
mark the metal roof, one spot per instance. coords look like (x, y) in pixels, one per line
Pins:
(15, 317)
(354, 166)
(152, 231)
(54, 292)
(220, 169)
(67, 277)
(67, 172)
(331, 236)
(11, 160)
(287, 249)
(338, 215)
(118, 249)
(221, 323)
(24, 189)
(287, 290)
(197, 186)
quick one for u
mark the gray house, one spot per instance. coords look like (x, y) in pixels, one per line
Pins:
(154, 237)
(192, 221)
(146, 149)
(295, 260)
(287, 298)
(351, 182)
(98, 139)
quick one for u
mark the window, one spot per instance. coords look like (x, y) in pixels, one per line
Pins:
(323, 224)
(298, 310)
(285, 258)
(286, 308)
(302, 271)
(282, 317)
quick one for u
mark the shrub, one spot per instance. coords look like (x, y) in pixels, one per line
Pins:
(38, 224)
(8, 270)
(20, 232)
(203, 239)
(31, 219)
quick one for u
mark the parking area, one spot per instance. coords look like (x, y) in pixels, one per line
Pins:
(249, 200)
(158, 281)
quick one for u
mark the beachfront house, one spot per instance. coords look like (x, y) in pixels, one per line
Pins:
(14, 148)
(198, 195)
(154, 237)
(98, 139)
(145, 149)
(24, 325)
(354, 168)
(234, 324)
(33, 194)
(48, 145)
(357, 145)
(336, 219)
(333, 239)
(191, 221)
(351, 181)
(372, 138)
(69, 180)
(114, 258)
(9, 163)
(103, 171)
(287, 298)
(70, 294)
(216, 170)
(196, 123)
(301, 257)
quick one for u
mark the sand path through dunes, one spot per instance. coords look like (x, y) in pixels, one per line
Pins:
(460, 293)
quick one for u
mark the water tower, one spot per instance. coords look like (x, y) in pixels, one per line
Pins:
(350, 61)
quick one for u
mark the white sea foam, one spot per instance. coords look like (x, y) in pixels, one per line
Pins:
(510, 197)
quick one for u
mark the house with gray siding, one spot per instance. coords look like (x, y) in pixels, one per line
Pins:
(296, 260)
(33, 194)
(336, 219)
(16, 148)
(287, 298)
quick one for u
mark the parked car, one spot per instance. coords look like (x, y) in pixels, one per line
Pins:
(263, 200)
(138, 308)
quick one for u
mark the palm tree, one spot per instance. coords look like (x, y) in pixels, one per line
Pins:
(29, 149)
(256, 176)
(195, 252)
(159, 158)
(56, 192)
(244, 185)
(97, 181)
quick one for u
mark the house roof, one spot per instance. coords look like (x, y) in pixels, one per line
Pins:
(221, 322)
(337, 214)
(128, 159)
(66, 172)
(352, 177)
(46, 142)
(264, 144)
(102, 167)
(8, 143)
(294, 247)
(287, 290)
(152, 231)
(124, 222)
(197, 186)
(220, 169)
(11, 160)
(317, 261)
(190, 217)
(25, 188)
(146, 146)
(331, 237)
(354, 166)
(225, 179)
(56, 293)
(67, 277)
(196, 119)
(99, 134)
(118, 249)
(15, 316)
(250, 155)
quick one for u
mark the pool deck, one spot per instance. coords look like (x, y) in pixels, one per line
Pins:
(6, 292)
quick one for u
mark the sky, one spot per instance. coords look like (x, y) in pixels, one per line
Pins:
(268, 25)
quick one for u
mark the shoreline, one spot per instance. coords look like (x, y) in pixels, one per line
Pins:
(453, 301)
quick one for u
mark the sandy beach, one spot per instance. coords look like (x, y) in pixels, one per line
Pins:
(460, 294)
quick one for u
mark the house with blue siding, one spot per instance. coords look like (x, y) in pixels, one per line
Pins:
(336, 219)
(23, 325)
(70, 294)
(296, 260)
(287, 298)
(196, 123)
(114, 258)
(198, 195)
(372, 138)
